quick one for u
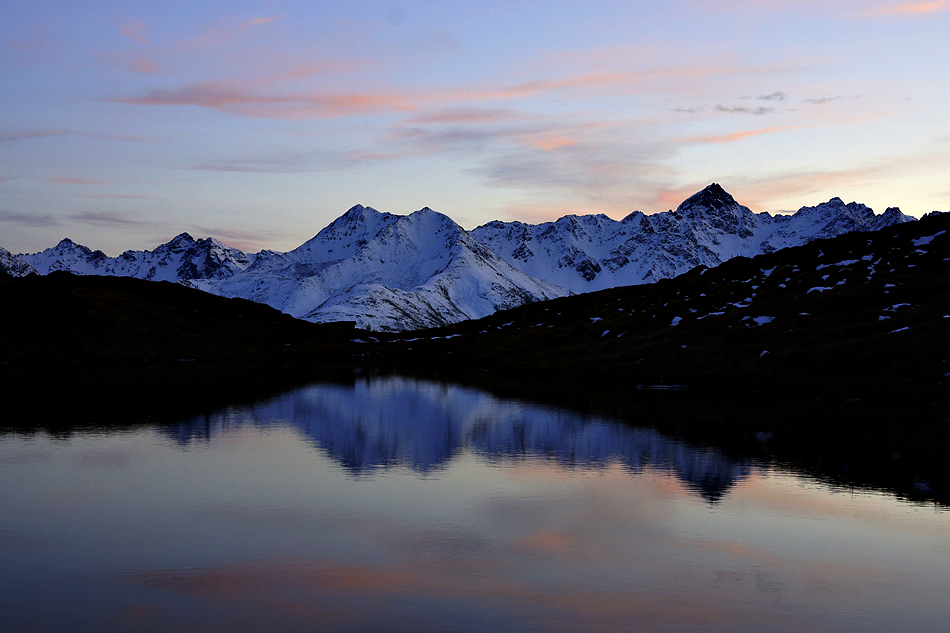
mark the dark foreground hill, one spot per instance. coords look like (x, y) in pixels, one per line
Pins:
(861, 316)
(838, 329)
(66, 318)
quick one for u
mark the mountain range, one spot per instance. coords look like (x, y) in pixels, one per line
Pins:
(389, 272)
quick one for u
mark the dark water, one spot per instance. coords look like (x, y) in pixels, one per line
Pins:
(398, 504)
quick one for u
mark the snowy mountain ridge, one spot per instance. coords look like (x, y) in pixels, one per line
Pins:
(12, 265)
(386, 272)
(180, 259)
(594, 252)
(391, 272)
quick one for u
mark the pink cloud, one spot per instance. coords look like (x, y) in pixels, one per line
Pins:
(143, 66)
(534, 87)
(136, 31)
(257, 22)
(239, 99)
(551, 142)
(916, 8)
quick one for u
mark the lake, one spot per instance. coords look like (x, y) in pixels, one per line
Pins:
(392, 503)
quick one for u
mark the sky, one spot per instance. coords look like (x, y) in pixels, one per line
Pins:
(258, 122)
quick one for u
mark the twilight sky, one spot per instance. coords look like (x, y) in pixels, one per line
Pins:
(259, 121)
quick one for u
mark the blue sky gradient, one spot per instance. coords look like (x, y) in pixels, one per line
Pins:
(258, 122)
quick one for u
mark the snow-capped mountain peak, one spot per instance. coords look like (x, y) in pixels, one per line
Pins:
(386, 272)
(394, 272)
(176, 260)
(711, 199)
(12, 265)
(707, 228)
(180, 243)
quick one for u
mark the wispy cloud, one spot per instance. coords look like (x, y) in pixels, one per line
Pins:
(468, 115)
(80, 181)
(143, 66)
(744, 110)
(107, 219)
(247, 98)
(913, 9)
(257, 22)
(730, 138)
(135, 31)
(288, 164)
(775, 96)
(820, 100)
(245, 240)
(28, 219)
(119, 196)
(18, 136)
(760, 190)
(234, 98)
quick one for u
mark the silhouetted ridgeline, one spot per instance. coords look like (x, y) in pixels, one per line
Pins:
(66, 318)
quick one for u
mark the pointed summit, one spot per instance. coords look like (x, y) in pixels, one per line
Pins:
(182, 242)
(712, 197)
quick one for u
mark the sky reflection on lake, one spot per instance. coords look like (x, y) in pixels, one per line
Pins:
(395, 504)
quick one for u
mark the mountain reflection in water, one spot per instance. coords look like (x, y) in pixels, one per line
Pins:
(392, 422)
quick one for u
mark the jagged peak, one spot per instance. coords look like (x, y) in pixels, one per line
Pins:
(897, 211)
(211, 241)
(426, 212)
(65, 243)
(182, 238)
(713, 198)
(712, 194)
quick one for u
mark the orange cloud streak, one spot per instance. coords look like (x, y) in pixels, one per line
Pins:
(729, 138)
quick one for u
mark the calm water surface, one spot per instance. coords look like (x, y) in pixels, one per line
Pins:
(403, 505)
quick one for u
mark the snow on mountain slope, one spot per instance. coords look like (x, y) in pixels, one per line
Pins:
(12, 265)
(182, 258)
(386, 272)
(585, 253)
(392, 272)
